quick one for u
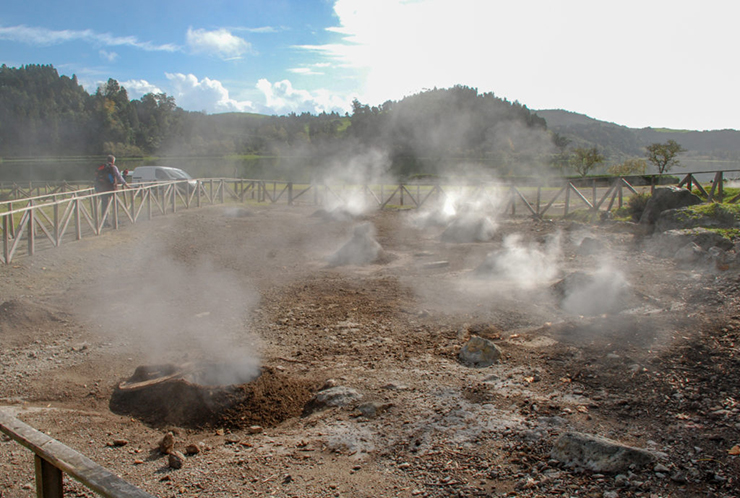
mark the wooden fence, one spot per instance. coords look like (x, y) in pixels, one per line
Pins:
(55, 218)
(53, 460)
(49, 211)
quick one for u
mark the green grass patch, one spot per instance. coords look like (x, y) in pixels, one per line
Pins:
(729, 193)
(731, 234)
(713, 210)
(583, 215)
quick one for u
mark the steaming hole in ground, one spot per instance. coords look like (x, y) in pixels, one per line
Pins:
(200, 395)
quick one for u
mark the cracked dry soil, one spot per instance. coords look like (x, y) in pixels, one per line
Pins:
(662, 373)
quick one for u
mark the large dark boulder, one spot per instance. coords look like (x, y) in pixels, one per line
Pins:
(667, 198)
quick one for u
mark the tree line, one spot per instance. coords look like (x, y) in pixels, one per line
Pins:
(45, 114)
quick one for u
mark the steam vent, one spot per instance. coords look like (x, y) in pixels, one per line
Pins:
(361, 249)
(193, 396)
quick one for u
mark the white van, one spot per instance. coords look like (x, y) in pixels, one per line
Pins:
(145, 174)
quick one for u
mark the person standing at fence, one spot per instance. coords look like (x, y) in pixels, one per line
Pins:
(107, 179)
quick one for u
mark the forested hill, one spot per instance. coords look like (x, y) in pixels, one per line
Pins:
(620, 141)
(434, 131)
(43, 114)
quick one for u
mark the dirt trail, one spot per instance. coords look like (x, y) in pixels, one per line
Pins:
(658, 370)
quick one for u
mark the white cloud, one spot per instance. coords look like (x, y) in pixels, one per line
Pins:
(311, 70)
(304, 71)
(282, 98)
(138, 88)
(204, 95)
(263, 29)
(594, 57)
(43, 37)
(220, 43)
(109, 56)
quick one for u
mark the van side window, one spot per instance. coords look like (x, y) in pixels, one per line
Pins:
(160, 174)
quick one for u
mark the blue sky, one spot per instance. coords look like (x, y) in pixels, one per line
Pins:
(637, 63)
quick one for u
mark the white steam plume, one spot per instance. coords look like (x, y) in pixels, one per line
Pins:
(604, 291)
(524, 266)
(181, 313)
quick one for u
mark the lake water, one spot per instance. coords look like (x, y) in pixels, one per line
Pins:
(83, 169)
(296, 169)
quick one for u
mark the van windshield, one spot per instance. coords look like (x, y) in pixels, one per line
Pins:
(178, 174)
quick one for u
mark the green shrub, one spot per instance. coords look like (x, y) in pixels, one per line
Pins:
(636, 206)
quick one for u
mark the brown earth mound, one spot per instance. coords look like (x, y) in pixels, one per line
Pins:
(166, 395)
(21, 313)
(271, 399)
(20, 316)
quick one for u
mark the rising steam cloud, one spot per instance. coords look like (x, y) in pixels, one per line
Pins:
(524, 266)
(603, 291)
(182, 313)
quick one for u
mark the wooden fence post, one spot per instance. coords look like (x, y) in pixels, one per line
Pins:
(593, 191)
(31, 231)
(56, 221)
(49, 479)
(6, 240)
(78, 219)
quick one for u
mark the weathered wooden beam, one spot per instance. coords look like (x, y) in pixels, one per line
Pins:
(67, 460)
(516, 191)
(581, 196)
(552, 201)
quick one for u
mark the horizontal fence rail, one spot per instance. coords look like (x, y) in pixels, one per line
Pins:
(28, 217)
(53, 459)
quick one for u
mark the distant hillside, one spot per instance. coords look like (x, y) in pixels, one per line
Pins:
(620, 142)
(616, 142)
(562, 118)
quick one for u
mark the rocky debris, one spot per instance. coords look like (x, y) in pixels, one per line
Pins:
(452, 431)
(667, 243)
(361, 249)
(667, 198)
(175, 459)
(690, 253)
(338, 396)
(479, 353)
(600, 454)
(167, 444)
(372, 409)
(485, 330)
(395, 386)
(192, 449)
(469, 227)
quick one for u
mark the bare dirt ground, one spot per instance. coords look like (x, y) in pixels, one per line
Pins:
(659, 372)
